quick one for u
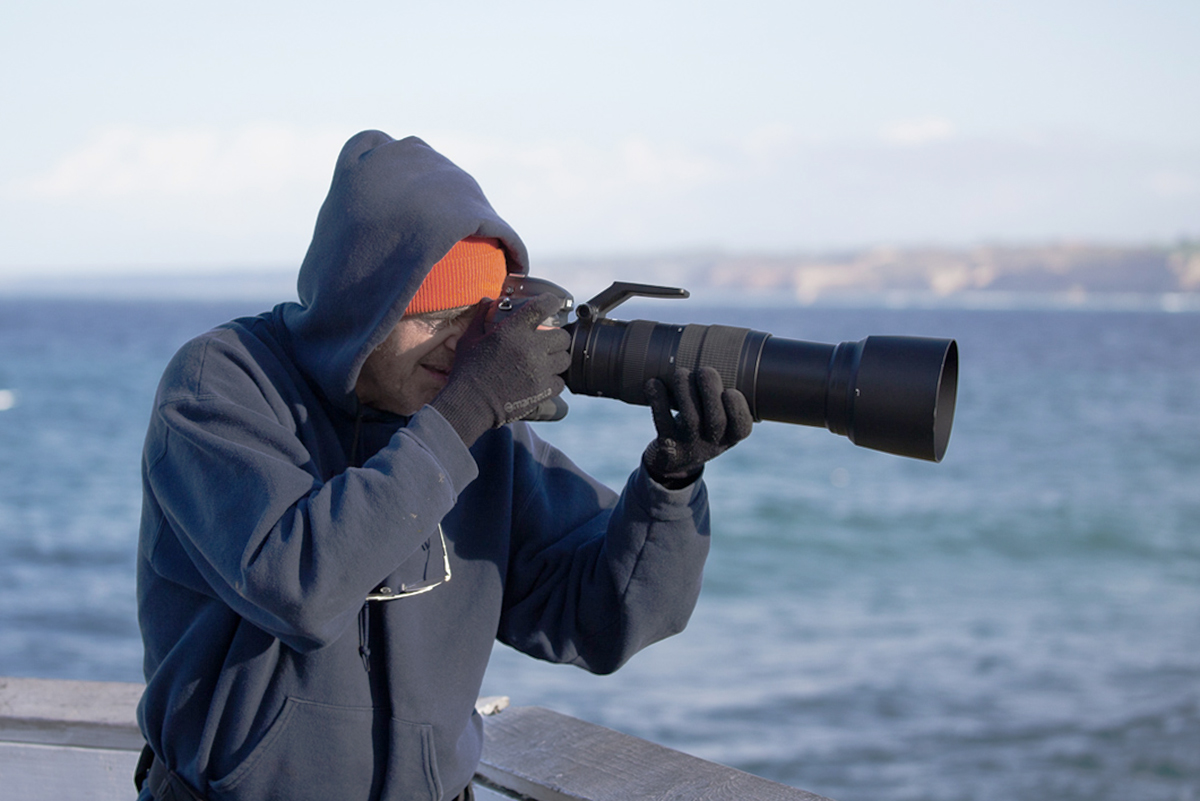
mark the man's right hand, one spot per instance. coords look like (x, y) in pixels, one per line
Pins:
(501, 375)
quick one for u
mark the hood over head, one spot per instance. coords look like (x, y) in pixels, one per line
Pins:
(394, 209)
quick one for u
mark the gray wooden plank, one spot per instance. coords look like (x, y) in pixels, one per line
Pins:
(97, 714)
(56, 736)
(487, 794)
(553, 757)
(31, 772)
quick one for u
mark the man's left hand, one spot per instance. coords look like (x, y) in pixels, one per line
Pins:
(711, 420)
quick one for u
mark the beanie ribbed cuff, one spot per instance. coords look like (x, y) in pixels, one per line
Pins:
(474, 269)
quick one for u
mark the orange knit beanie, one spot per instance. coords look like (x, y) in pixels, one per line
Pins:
(474, 269)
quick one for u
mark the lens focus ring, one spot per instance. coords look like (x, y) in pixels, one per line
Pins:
(634, 349)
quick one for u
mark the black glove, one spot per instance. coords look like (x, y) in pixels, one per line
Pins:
(503, 374)
(711, 420)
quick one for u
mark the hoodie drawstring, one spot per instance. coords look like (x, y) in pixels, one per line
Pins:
(364, 614)
(364, 635)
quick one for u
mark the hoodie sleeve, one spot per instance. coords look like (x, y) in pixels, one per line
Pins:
(291, 551)
(594, 577)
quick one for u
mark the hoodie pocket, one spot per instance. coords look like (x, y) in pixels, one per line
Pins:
(412, 767)
(311, 751)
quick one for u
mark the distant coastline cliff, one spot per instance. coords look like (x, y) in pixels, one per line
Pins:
(1064, 271)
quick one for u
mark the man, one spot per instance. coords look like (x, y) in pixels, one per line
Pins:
(342, 512)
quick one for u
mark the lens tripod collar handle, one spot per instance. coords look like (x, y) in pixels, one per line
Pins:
(621, 291)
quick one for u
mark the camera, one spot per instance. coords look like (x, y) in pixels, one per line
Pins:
(888, 393)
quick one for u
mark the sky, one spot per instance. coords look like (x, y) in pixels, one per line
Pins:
(162, 137)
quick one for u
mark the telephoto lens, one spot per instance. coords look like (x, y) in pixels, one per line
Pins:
(886, 393)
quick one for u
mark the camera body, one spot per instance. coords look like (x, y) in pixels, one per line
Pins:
(519, 288)
(888, 393)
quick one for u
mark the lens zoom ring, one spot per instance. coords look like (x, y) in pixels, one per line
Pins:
(689, 346)
(722, 349)
(718, 346)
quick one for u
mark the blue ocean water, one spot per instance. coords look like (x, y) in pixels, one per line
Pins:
(1019, 621)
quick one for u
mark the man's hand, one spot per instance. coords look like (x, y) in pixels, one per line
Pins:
(503, 374)
(711, 420)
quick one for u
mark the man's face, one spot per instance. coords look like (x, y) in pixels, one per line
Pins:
(411, 366)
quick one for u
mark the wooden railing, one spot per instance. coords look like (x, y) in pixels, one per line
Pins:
(57, 737)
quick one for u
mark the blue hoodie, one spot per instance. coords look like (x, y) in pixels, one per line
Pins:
(275, 505)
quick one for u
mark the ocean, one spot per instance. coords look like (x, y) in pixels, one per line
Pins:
(1021, 620)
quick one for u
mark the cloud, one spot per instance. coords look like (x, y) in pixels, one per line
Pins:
(573, 168)
(135, 195)
(916, 132)
(769, 141)
(250, 194)
(1173, 184)
(127, 161)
